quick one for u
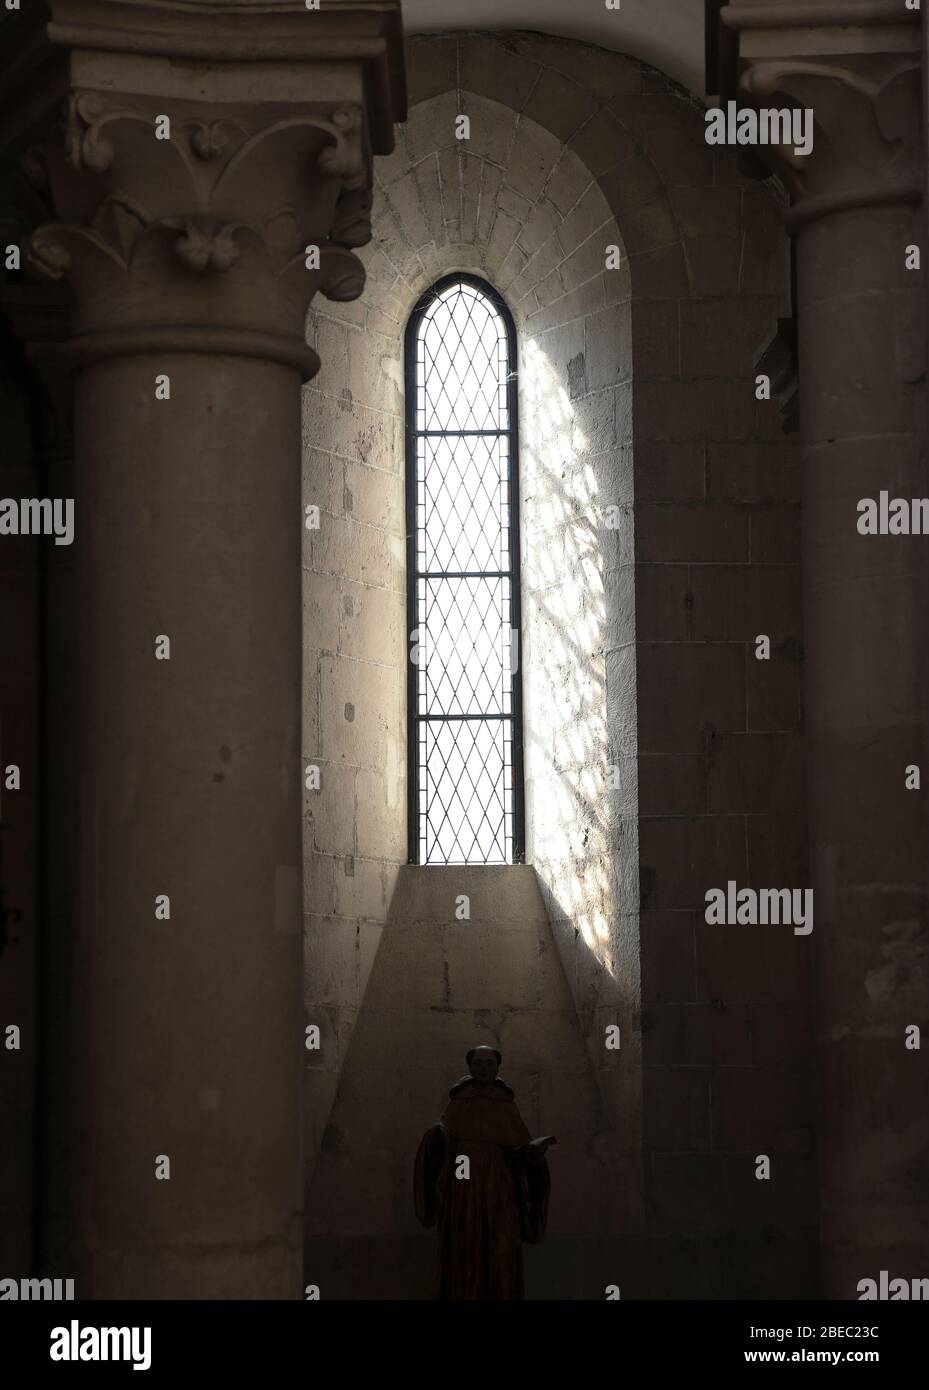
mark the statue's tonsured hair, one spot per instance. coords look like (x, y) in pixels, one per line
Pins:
(469, 1055)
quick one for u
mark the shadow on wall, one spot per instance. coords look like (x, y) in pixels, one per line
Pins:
(441, 983)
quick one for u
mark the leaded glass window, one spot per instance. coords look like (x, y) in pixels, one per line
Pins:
(465, 705)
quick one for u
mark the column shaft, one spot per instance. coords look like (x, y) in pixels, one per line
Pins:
(189, 528)
(861, 317)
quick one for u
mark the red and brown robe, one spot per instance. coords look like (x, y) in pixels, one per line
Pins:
(481, 1221)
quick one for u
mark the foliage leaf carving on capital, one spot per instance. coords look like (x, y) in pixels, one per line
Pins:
(204, 244)
(866, 141)
(290, 177)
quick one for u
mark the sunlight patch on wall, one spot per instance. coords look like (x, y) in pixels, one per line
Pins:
(566, 735)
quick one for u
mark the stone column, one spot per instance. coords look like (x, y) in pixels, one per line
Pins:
(861, 316)
(197, 157)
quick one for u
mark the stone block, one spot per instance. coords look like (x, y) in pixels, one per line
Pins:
(330, 962)
(319, 1088)
(609, 346)
(391, 166)
(782, 1032)
(360, 711)
(669, 471)
(491, 66)
(381, 812)
(329, 813)
(502, 238)
(588, 298)
(688, 409)
(493, 129)
(322, 487)
(671, 127)
(662, 608)
(560, 104)
(734, 603)
(590, 215)
(450, 182)
(594, 424)
(470, 171)
(336, 424)
(754, 471)
(432, 66)
(713, 263)
(739, 964)
(429, 196)
(755, 1109)
(538, 268)
(491, 183)
(709, 1195)
(430, 125)
(672, 784)
(604, 74)
(693, 1035)
(776, 536)
(656, 338)
(510, 270)
(774, 689)
(404, 200)
(321, 600)
(648, 223)
(765, 246)
(677, 1108)
(569, 180)
(660, 274)
(549, 289)
(362, 888)
(561, 360)
(668, 957)
(778, 851)
(616, 628)
(688, 692)
(567, 1101)
(318, 884)
(586, 263)
(692, 532)
(540, 225)
(489, 969)
(722, 337)
(680, 858)
(598, 142)
(532, 158)
(756, 773)
(337, 548)
(701, 211)
(372, 626)
(374, 497)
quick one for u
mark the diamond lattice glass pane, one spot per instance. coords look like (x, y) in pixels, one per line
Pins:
(463, 687)
(463, 663)
(462, 364)
(465, 501)
(465, 817)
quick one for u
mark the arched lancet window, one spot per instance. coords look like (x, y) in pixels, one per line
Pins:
(465, 699)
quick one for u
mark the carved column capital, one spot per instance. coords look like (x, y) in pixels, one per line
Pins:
(856, 65)
(200, 206)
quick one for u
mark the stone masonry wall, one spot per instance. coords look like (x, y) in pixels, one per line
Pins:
(663, 759)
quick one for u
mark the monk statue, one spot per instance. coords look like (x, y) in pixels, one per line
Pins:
(483, 1184)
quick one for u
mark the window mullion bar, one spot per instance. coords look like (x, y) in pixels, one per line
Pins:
(451, 718)
(464, 574)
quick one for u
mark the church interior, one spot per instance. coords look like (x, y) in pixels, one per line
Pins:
(436, 615)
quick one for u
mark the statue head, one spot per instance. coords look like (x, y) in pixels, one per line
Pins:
(483, 1064)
